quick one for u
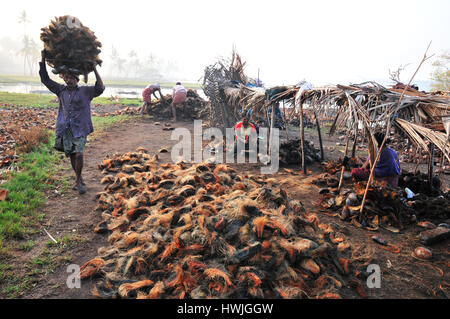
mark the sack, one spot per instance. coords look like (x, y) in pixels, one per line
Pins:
(59, 144)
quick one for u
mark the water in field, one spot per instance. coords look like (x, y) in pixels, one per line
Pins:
(122, 92)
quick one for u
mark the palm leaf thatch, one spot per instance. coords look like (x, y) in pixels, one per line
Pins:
(420, 134)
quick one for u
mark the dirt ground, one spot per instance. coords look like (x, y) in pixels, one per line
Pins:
(71, 213)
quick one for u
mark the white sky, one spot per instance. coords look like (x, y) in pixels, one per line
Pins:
(320, 41)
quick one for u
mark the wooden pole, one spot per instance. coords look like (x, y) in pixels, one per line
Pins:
(285, 122)
(430, 166)
(322, 155)
(271, 130)
(302, 137)
(341, 178)
(355, 142)
(441, 171)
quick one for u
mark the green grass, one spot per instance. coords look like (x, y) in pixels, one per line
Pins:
(5, 78)
(122, 101)
(25, 191)
(101, 123)
(25, 188)
(27, 246)
(48, 100)
(27, 100)
(19, 215)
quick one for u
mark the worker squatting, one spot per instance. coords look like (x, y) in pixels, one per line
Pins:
(238, 140)
(232, 308)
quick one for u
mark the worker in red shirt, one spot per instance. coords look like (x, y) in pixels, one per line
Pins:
(242, 130)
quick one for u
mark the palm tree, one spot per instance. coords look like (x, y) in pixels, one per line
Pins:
(134, 62)
(120, 65)
(114, 56)
(33, 55)
(25, 51)
(23, 18)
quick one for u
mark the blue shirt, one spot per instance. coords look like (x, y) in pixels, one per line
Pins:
(74, 109)
(388, 164)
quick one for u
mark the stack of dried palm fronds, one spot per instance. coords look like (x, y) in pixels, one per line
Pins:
(368, 106)
(70, 47)
(224, 83)
(204, 231)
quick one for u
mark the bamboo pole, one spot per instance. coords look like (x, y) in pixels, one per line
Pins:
(355, 142)
(341, 178)
(322, 155)
(285, 123)
(302, 137)
(388, 129)
(430, 166)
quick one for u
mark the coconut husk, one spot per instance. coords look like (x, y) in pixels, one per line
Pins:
(204, 231)
(386, 206)
(70, 47)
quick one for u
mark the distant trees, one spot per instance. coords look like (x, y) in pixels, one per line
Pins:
(133, 66)
(30, 49)
(441, 73)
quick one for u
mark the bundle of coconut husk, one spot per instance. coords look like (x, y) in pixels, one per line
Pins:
(291, 152)
(70, 47)
(334, 166)
(204, 231)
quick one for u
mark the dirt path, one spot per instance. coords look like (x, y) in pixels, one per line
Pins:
(73, 215)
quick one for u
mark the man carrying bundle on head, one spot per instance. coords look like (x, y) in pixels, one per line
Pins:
(147, 96)
(179, 97)
(74, 122)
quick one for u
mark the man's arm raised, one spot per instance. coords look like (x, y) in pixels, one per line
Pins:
(99, 86)
(45, 79)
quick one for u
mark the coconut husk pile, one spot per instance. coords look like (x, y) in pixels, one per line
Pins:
(14, 122)
(70, 47)
(194, 108)
(291, 152)
(385, 206)
(204, 231)
(332, 167)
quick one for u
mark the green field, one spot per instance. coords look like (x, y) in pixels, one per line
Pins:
(49, 100)
(4, 78)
